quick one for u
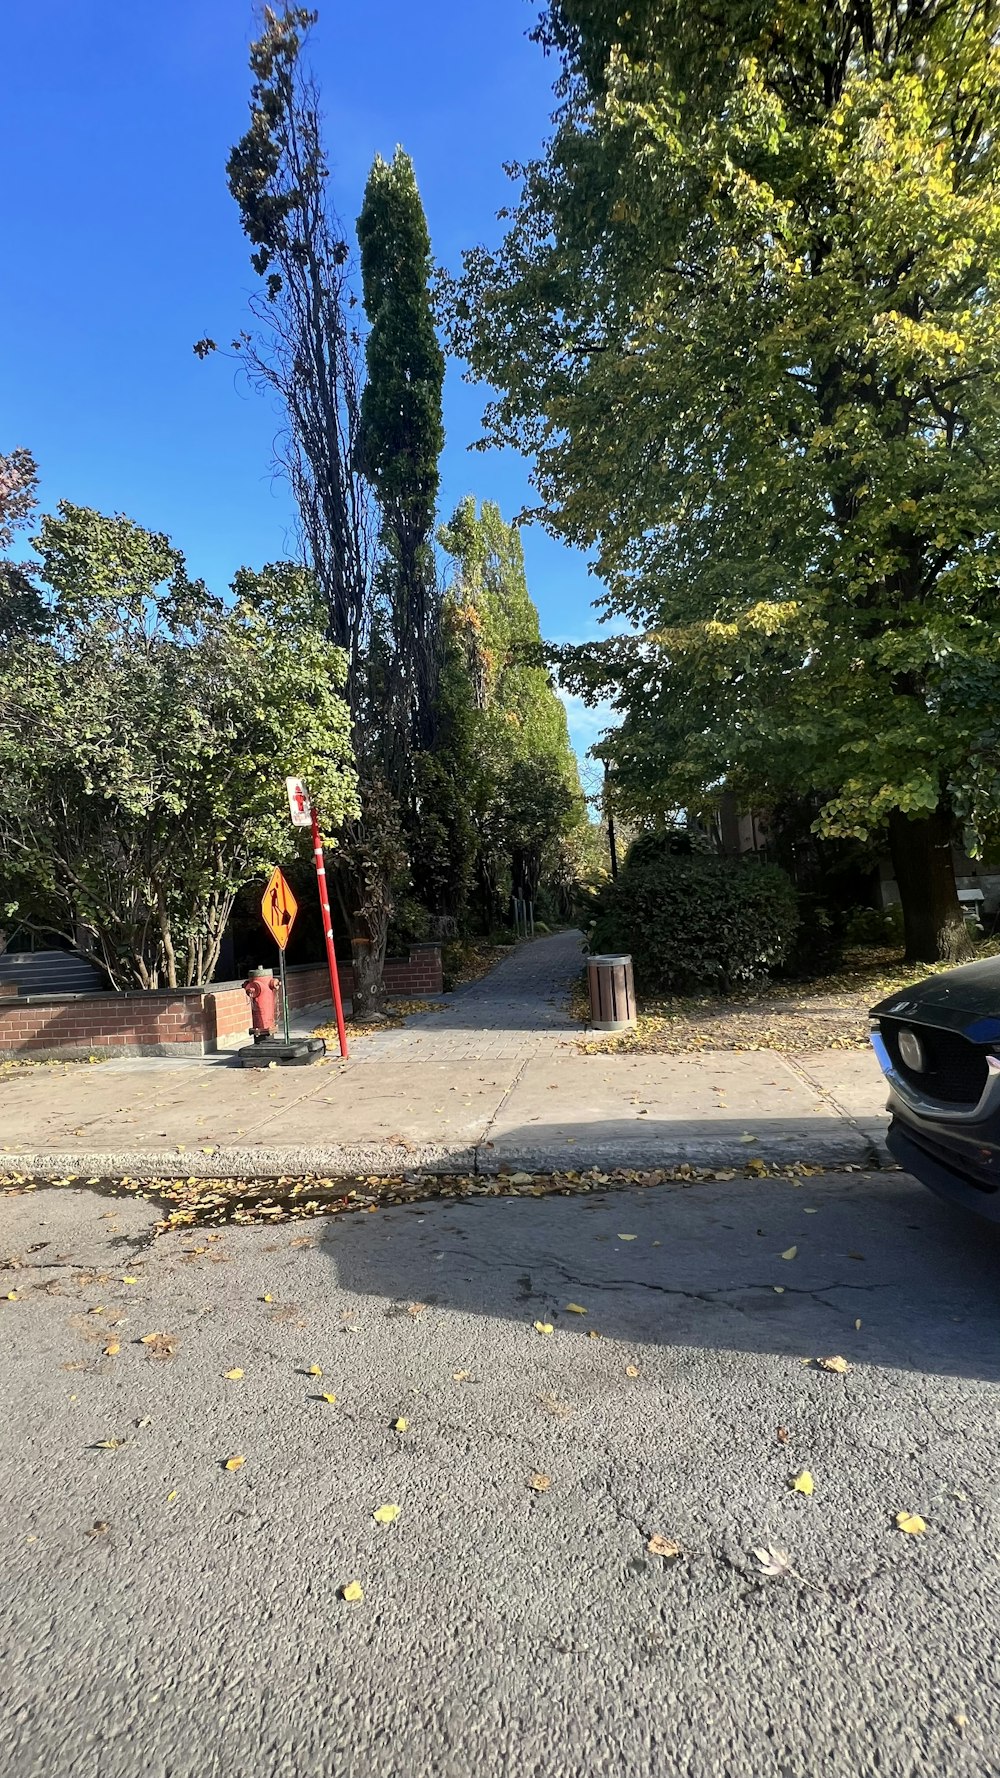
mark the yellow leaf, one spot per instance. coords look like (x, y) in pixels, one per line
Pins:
(330, 1398)
(108, 1444)
(172, 1496)
(314, 1371)
(463, 1376)
(400, 1425)
(540, 1483)
(626, 1237)
(384, 1515)
(912, 1523)
(779, 1289)
(592, 1333)
(112, 1349)
(267, 1298)
(12, 1297)
(233, 1376)
(857, 1324)
(662, 1546)
(575, 1309)
(840, 1365)
(235, 1462)
(128, 1280)
(352, 1592)
(803, 1482)
(790, 1253)
(631, 1370)
(544, 1327)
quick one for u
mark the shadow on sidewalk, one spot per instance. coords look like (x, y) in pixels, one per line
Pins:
(704, 1268)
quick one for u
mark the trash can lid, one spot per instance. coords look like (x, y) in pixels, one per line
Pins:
(622, 957)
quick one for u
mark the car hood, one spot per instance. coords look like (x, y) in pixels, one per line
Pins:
(965, 1000)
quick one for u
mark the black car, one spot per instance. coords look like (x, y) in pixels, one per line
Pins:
(938, 1044)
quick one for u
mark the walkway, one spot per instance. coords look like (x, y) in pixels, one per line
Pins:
(492, 1079)
(518, 1010)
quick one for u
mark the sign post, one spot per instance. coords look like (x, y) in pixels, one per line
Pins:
(303, 813)
(279, 908)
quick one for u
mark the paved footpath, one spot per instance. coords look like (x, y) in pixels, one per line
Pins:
(166, 1615)
(493, 1079)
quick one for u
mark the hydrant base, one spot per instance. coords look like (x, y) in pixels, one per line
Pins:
(271, 1052)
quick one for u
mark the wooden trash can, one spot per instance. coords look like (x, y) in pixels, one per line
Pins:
(612, 993)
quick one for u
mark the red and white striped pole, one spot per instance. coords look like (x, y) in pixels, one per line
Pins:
(331, 955)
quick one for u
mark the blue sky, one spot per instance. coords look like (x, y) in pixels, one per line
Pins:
(123, 248)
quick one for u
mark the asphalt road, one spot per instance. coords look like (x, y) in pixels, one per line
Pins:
(164, 1615)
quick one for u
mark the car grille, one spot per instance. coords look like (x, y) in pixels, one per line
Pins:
(956, 1071)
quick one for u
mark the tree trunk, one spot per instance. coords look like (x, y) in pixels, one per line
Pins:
(368, 998)
(925, 873)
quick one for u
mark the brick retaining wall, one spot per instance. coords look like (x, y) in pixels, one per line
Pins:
(180, 1021)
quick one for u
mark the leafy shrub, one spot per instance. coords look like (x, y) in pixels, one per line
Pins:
(696, 922)
(875, 926)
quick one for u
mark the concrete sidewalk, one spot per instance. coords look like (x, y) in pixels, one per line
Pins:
(493, 1080)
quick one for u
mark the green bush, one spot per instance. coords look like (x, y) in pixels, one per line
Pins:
(696, 923)
(875, 926)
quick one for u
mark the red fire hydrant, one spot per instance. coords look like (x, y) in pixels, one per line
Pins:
(261, 990)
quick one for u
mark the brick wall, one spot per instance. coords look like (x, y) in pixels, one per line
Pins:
(185, 1021)
(170, 1023)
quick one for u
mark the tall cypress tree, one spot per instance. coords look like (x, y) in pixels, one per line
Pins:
(401, 432)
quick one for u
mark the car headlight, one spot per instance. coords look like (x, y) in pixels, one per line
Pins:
(912, 1051)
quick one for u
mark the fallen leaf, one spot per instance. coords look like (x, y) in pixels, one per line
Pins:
(857, 1324)
(790, 1253)
(314, 1371)
(12, 1297)
(803, 1482)
(540, 1483)
(352, 1592)
(112, 1349)
(384, 1515)
(779, 1289)
(109, 1444)
(840, 1365)
(543, 1327)
(463, 1376)
(99, 1528)
(626, 1237)
(415, 1308)
(233, 1376)
(575, 1309)
(631, 1370)
(773, 1562)
(662, 1546)
(160, 1345)
(330, 1398)
(400, 1425)
(746, 1137)
(911, 1523)
(234, 1462)
(129, 1280)
(172, 1496)
(267, 1298)
(782, 1435)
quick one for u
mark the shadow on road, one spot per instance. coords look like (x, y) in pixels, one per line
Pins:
(703, 1266)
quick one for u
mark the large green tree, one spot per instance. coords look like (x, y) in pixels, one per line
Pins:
(511, 790)
(145, 730)
(401, 438)
(745, 320)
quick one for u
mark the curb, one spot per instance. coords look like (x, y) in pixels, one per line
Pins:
(381, 1159)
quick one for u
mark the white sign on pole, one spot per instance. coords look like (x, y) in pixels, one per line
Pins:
(298, 802)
